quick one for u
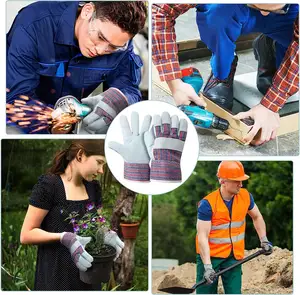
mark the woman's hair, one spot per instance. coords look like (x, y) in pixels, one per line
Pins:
(130, 16)
(89, 147)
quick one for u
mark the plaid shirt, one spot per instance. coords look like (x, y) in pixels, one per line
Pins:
(164, 48)
(165, 55)
(286, 79)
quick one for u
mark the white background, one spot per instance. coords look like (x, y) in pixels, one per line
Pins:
(296, 160)
(116, 163)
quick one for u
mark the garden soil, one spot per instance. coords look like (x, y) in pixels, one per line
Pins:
(262, 275)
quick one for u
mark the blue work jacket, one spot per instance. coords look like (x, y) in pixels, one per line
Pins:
(44, 61)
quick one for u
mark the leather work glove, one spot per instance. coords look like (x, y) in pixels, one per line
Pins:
(76, 244)
(134, 151)
(105, 107)
(209, 274)
(165, 145)
(111, 238)
(266, 245)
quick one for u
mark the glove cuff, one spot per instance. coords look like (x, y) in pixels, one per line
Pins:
(207, 266)
(264, 239)
(165, 170)
(67, 238)
(136, 172)
(115, 99)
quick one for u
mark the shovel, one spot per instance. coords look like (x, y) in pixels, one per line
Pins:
(182, 290)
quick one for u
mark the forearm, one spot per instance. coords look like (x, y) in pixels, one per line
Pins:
(132, 94)
(164, 47)
(204, 249)
(260, 226)
(286, 79)
(128, 78)
(38, 236)
(173, 84)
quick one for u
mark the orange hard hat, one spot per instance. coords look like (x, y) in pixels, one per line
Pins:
(232, 170)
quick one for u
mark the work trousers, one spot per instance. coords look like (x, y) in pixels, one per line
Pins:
(232, 279)
(220, 25)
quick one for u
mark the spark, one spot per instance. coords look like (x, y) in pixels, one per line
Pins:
(26, 112)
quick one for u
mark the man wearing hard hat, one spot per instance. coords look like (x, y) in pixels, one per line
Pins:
(221, 226)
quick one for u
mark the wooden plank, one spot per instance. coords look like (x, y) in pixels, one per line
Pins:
(190, 44)
(238, 129)
(288, 124)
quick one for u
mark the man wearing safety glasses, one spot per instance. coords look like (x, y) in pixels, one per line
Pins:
(219, 26)
(58, 48)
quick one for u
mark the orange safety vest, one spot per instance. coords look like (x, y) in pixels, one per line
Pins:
(227, 232)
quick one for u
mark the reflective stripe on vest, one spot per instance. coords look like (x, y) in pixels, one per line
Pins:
(226, 225)
(227, 240)
(227, 232)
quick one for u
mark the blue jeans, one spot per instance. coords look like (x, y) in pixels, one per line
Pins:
(220, 25)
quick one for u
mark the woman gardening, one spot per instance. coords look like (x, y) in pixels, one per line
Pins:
(69, 186)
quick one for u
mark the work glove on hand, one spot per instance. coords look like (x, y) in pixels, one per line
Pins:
(134, 151)
(76, 244)
(266, 245)
(165, 145)
(105, 107)
(111, 238)
(209, 274)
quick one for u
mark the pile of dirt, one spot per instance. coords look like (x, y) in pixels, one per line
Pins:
(262, 275)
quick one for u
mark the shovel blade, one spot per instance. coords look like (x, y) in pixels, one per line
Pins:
(177, 290)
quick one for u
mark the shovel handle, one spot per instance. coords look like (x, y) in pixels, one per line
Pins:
(232, 266)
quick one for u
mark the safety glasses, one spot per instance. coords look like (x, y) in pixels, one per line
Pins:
(97, 37)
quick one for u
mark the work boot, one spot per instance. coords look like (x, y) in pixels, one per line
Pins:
(264, 52)
(221, 91)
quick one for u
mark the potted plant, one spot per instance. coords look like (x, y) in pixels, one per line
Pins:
(130, 226)
(93, 224)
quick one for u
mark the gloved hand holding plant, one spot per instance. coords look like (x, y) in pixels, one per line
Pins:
(92, 237)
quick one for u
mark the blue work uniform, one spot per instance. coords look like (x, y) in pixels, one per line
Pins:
(220, 25)
(44, 61)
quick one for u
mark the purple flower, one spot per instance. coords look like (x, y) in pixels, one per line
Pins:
(101, 219)
(93, 219)
(73, 220)
(90, 206)
(85, 226)
(76, 227)
(61, 211)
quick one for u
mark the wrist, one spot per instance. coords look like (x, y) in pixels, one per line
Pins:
(265, 107)
(61, 236)
(207, 266)
(115, 99)
(173, 84)
(264, 239)
(66, 238)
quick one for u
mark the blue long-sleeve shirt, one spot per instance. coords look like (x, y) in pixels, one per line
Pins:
(44, 61)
